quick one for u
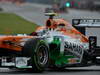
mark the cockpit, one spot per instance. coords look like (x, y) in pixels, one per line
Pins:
(61, 25)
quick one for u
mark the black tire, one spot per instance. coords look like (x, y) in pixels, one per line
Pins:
(86, 57)
(38, 50)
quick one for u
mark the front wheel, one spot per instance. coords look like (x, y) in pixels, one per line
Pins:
(38, 50)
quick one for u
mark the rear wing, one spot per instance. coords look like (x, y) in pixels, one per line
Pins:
(82, 24)
(86, 22)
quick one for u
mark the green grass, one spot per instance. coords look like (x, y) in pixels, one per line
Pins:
(13, 24)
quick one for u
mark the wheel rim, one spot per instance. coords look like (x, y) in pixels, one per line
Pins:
(42, 55)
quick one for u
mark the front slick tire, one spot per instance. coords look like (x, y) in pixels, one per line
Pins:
(38, 50)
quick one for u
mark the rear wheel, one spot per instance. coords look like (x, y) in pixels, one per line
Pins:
(86, 57)
(37, 49)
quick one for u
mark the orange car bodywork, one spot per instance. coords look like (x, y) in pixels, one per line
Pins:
(14, 42)
(67, 30)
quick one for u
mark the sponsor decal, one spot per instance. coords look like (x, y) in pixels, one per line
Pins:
(73, 48)
(86, 22)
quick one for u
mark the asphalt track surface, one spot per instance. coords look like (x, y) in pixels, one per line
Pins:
(35, 13)
(94, 70)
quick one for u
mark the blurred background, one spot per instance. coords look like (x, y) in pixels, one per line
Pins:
(30, 13)
(83, 8)
(92, 5)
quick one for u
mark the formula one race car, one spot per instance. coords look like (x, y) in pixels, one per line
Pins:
(56, 45)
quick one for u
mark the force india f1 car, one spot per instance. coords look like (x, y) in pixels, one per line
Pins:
(57, 45)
